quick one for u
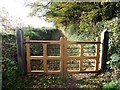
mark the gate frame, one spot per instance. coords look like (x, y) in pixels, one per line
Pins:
(63, 42)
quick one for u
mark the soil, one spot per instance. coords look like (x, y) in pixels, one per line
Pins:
(69, 81)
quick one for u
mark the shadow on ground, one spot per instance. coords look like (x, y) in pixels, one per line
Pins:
(70, 81)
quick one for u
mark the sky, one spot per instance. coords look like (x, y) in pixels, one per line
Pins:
(17, 9)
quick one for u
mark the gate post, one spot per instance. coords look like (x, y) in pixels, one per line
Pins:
(20, 51)
(104, 50)
(61, 54)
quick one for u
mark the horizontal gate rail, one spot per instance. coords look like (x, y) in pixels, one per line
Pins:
(83, 42)
(43, 42)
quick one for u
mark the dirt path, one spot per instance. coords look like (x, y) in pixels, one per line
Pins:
(57, 81)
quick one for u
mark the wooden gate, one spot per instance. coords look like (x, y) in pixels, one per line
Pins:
(63, 56)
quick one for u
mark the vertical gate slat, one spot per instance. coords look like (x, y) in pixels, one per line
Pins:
(61, 54)
(98, 52)
(45, 57)
(28, 54)
(65, 55)
(81, 61)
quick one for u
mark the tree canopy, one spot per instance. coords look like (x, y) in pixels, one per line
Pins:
(7, 22)
(75, 13)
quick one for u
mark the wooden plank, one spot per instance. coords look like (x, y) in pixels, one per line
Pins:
(53, 57)
(54, 72)
(45, 57)
(83, 42)
(65, 55)
(82, 57)
(74, 70)
(61, 55)
(75, 57)
(81, 61)
(37, 71)
(81, 72)
(43, 42)
(36, 57)
(90, 57)
(28, 54)
(90, 71)
(98, 54)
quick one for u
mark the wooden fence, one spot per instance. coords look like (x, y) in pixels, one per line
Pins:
(69, 57)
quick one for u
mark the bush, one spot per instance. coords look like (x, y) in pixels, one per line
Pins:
(9, 47)
(11, 78)
(109, 86)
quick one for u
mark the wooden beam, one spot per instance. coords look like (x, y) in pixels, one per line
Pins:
(83, 42)
(90, 71)
(36, 57)
(53, 57)
(54, 72)
(28, 54)
(98, 54)
(65, 55)
(43, 42)
(61, 55)
(37, 71)
(45, 57)
(81, 60)
(82, 57)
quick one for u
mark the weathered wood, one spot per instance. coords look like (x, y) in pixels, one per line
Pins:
(104, 49)
(28, 54)
(20, 51)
